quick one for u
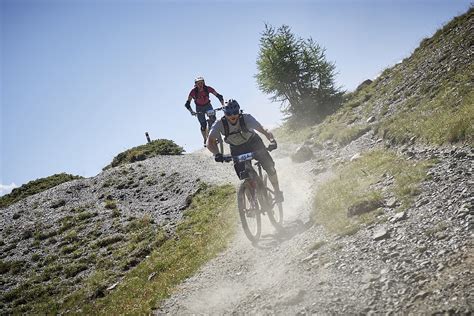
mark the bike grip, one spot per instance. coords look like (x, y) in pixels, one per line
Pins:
(272, 146)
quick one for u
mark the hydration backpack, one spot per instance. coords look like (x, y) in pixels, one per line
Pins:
(196, 90)
(243, 127)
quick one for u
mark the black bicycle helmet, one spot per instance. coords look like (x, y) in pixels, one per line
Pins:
(232, 107)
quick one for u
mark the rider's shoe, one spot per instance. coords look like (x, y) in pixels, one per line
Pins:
(279, 197)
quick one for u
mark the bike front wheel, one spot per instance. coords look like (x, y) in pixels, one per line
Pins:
(249, 212)
(275, 210)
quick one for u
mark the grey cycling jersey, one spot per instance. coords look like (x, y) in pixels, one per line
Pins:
(236, 135)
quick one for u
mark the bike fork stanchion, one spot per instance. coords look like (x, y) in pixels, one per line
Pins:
(221, 147)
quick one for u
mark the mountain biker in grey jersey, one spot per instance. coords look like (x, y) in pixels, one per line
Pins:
(244, 139)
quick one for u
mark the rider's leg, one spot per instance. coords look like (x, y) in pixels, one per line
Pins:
(276, 186)
(204, 136)
(274, 181)
(206, 133)
(269, 166)
(206, 124)
(239, 166)
(202, 121)
(210, 122)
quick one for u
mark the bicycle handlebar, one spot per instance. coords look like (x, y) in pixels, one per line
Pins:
(246, 156)
(209, 112)
(213, 111)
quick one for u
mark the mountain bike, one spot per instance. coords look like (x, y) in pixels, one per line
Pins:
(255, 198)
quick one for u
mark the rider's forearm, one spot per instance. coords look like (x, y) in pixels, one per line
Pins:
(265, 132)
(270, 136)
(220, 97)
(212, 145)
(187, 105)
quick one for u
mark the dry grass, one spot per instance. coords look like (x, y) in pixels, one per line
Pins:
(355, 182)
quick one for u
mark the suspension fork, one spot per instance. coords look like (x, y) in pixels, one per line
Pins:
(260, 174)
(251, 183)
(264, 188)
(251, 193)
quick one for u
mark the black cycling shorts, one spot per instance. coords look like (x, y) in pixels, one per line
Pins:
(255, 144)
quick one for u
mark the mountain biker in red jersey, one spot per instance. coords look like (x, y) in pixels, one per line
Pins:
(238, 130)
(200, 94)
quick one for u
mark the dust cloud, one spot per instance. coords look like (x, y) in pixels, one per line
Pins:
(244, 272)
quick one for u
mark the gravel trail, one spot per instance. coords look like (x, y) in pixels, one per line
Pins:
(239, 277)
(411, 270)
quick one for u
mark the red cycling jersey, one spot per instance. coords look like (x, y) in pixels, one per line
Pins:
(202, 97)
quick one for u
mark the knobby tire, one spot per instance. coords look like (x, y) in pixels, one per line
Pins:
(251, 223)
(275, 212)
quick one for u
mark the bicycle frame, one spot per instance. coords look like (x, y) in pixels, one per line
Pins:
(250, 180)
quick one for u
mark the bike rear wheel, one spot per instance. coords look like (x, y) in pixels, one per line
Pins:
(249, 212)
(275, 210)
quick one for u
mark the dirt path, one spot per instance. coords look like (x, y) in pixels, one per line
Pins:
(247, 279)
(424, 265)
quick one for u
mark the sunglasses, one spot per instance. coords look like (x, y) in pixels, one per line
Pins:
(233, 113)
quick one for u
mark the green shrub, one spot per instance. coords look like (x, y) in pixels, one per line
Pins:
(35, 257)
(110, 204)
(108, 241)
(67, 222)
(86, 215)
(152, 149)
(73, 269)
(4, 267)
(34, 187)
(340, 132)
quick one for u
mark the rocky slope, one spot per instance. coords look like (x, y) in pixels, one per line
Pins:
(416, 261)
(427, 96)
(53, 240)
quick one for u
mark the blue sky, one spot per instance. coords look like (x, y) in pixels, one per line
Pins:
(83, 80)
